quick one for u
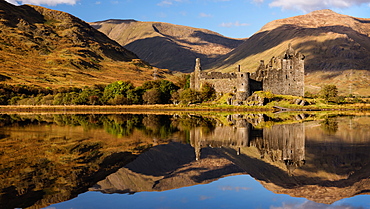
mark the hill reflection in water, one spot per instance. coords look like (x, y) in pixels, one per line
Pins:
(320, 158)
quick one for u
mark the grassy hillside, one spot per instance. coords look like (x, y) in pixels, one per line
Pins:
(51, 48)
(336, 47)
(166, 45)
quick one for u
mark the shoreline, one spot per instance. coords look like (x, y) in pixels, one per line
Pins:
(70, 109)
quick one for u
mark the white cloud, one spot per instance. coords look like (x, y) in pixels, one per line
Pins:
(166, 3)
(233, 24)
(45, 2)
(205, 15)
(311, 5)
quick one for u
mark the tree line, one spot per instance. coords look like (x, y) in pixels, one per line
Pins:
(116, 93)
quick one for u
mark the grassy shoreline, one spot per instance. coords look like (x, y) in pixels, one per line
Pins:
(167, 108)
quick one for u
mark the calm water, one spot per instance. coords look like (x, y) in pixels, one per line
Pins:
(185, 161)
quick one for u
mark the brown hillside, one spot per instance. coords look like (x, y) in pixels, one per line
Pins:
(52, 48)
(166, 45)
(336, 47)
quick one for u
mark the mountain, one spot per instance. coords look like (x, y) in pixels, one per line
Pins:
(47, 47)
(166, 45)
(336, 47)
(335, 166)
(168, 167)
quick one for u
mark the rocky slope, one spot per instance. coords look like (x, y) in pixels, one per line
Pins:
(166, 45)
(48, 47)
(336, 47)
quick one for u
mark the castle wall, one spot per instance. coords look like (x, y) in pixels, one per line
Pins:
(221, 85)
(284, 142)
(280, 76)
(288, 80)
(237, 83)
(238, 135)
(288, 138)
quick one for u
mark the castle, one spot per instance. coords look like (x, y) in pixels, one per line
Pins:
(282, 75)
(280, 143)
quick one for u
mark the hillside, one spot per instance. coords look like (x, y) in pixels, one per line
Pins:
(51, 48)
(336, 47)
(166, 45)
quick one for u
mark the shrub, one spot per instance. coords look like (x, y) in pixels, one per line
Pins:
(329, 92)
(152, 96)
(189, 96)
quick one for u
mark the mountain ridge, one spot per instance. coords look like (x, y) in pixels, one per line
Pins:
(335, 52)
(45, 47)
(158, 42)
(48, 47)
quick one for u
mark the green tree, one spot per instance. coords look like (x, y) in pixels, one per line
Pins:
(89, 96)
(117, 88)
(135, 95)
(207, 93)
(329, 92)
(189, 96)
(166, 88)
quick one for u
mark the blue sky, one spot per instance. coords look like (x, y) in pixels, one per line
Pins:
(232, 18)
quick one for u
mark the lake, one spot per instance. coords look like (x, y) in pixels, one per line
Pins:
(185, 160)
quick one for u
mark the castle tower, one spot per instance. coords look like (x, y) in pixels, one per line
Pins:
(242, 88)
(195, 76)
(285, 75)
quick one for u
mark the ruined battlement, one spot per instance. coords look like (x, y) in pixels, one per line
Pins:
(218, 75)
(282, 75)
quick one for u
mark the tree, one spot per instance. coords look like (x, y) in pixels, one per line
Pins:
(135, 96)
(189, 96)
(117, 88)
(175, 97)
(329, 126)
(119, 99)
(207, 93)
(152, 96)
(329, 92)
(89, 96)
(166, 88)
(184, 81)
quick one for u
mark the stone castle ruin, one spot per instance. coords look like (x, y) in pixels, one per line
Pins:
(282, 75)
(279, 143)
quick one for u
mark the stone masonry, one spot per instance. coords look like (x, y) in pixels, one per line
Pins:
(282, 75)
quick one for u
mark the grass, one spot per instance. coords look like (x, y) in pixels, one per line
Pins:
(179, 108)
(66, 54)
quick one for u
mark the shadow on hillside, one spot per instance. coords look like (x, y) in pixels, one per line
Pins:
(320, 59)
(163, 53)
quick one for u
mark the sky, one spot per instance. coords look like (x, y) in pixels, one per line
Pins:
(231, 18)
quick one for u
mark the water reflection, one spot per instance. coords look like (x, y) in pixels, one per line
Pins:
(45, 159)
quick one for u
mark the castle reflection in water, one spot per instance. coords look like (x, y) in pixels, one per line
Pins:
(284, 142)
